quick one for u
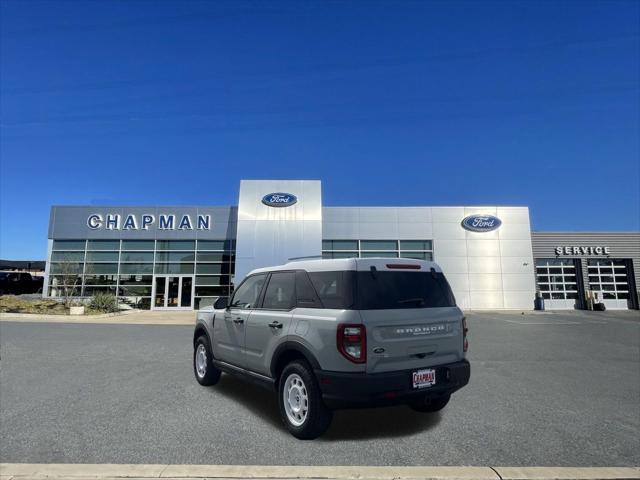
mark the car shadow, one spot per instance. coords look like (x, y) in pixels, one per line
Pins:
(355, 424)
(261, 402)
(387, 422)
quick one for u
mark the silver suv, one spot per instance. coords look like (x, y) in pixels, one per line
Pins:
(328, 334)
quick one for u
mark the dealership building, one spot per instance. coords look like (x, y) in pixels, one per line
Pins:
(170, 257)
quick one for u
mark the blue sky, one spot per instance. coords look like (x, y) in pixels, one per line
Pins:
(388, 103)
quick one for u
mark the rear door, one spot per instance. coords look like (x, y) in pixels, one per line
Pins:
(410, 317)
(229, 333)
(268, 325)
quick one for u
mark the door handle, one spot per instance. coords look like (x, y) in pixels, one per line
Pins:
(275, 325)
(238, 320)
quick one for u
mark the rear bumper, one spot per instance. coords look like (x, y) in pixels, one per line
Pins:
(345, 390)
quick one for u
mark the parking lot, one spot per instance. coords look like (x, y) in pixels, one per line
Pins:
(545, 389)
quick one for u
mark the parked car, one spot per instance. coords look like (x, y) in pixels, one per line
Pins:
(18, 283)
(329, 334)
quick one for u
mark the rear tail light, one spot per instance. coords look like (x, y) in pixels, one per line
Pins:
(465, 342)
(352, 342)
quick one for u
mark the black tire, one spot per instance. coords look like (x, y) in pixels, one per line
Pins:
(211, 374)
(430, 404)
(318, 416)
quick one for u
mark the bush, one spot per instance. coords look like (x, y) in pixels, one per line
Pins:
(104, 302)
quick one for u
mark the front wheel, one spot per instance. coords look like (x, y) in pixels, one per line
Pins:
(301, 407)
(206, 373)
(430, 404)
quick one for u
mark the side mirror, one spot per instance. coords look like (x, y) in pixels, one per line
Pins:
(221, 303)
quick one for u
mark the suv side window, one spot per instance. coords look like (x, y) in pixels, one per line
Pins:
(247, 294)
(306, 294)
(281, 291)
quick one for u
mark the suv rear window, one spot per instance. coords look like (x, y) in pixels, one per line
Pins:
(392, 290)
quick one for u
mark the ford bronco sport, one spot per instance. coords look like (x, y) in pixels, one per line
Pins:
(328, 334)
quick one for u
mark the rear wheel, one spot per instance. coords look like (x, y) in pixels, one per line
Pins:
(301, 407)
(206, 373)
(430, 404)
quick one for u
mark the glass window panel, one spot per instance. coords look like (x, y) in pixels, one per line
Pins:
(556, 278)
(378, 245)
(571, 286)
(212, 268)
(541, 262)
(608, 287)
(212, 280)
(379, 254)
(557, 296)
(68, 245)
(202, 302)
(215, 245)
(176, 245)
(608, 295)
(416, 255)
(544, 287)
(67, 256)
(66, 280)
(141, 303)
(327, 245)
(175, 256)
(326, 255)
(100, 279)
(103, 245)
(141, 257)
(135, 279)
(138, 244)
(606, 279)
(546, 295)
(570, 278)
(543, 278)
(608, 271)
(593, 278)
(212, 257)
(572, 295)
(135, 291)
(594, 286)
(102, 256)
(136, 268)
(101, 268)
(174, 268)
(90, 291)
(345, 244)
(555, 270)
(542, 270)
(212, 291)
(621, 278)
(416, 245)
(340, 255)
(66, 268)
(623, 295)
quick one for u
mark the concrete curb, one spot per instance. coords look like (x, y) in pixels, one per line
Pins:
(23, 471)
(124, 318)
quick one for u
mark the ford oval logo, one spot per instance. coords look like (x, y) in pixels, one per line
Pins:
(481, 223)
(279, 199)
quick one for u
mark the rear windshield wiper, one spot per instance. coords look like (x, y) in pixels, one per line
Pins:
(418, 300)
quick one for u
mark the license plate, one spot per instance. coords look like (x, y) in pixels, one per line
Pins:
(424, 378)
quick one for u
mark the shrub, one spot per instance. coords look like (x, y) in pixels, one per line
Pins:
(104, 302)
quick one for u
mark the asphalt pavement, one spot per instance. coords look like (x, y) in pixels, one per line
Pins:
(546, 389)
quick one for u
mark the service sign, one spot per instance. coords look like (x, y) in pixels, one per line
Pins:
(481, 223)
(279, 199)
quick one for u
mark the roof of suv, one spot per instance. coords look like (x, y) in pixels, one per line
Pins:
(329, 265)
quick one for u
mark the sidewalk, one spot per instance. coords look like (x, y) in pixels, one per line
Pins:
(17, 471)
(127, 317)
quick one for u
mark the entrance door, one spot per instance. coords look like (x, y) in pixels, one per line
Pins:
(173, 292)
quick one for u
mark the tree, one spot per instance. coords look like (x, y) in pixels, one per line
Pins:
(67, 279)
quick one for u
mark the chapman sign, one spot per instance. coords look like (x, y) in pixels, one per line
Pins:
(144, 222)
(576, 250)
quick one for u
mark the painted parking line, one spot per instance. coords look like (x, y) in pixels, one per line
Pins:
(22, 471)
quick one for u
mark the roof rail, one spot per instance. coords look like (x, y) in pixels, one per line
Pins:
(300, 259)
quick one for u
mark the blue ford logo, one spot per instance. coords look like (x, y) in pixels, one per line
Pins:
(279, 199)
(481, 223)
